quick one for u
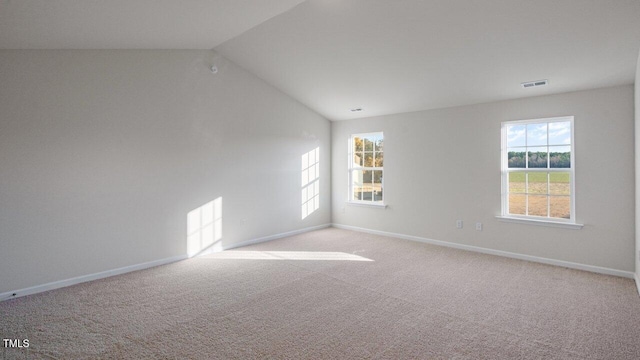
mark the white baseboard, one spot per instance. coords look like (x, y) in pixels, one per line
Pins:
(567, 264)
(637, 282)
(84, 278)
(276, 236)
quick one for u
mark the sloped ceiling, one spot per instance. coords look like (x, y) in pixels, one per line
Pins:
(384, 56)
(408, 55)
(130, 24)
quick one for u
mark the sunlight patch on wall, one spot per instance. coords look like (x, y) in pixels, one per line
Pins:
(287, 255)
(310, 182)
(204, 227)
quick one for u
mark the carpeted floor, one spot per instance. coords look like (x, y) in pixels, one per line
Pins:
(334, 294)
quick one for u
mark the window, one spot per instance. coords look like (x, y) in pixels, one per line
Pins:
(366, 159)
(538, 169)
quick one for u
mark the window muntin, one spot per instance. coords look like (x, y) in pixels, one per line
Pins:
(538, 175)
(366, 163)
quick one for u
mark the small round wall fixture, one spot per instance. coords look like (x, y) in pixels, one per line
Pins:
(213, 69)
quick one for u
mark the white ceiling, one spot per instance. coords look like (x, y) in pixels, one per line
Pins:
(130, 24)
(407, 55)
(386, 56)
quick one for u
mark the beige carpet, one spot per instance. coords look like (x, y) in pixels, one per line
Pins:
(316, 296)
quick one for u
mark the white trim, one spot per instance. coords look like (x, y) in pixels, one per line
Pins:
(556, 224)
(637, 282)
(274, 237)
(562, 263)
(367, 204)
(84, 278)
(104, 274)
(540, 120)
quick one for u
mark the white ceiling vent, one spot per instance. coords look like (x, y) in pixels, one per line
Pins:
(530, 84)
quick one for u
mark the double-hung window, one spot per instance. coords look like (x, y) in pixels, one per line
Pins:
(366, 158)
(538, 170)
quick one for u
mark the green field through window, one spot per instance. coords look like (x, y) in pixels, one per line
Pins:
(563, 177)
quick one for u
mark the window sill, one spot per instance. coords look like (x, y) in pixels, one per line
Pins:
(363, 204)
(549, 223)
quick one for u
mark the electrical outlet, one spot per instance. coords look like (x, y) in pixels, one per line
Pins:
(459, 224)
(479, 226)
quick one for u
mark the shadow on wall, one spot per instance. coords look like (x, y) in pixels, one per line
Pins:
(204, 228)
(310, 182)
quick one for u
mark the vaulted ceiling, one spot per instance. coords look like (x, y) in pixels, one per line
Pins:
(130, 24)
(379, 55)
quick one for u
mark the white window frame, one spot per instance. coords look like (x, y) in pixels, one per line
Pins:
(505, 171)
(351, 168)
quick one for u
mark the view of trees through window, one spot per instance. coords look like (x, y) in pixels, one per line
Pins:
(366, 170)
(538, 170)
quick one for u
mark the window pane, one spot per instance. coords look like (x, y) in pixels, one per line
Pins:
(368, 159)
(517, 204)
(356, 181)
(516, 158)
(537, 205)
(379, 144)
(358, 159)
(367, 177)
(379, 159)
(516, 135)
(357, 193)
(537, 157)
(560, 183)
(377, 185)
(368, 144)
(367, 185)
(357, 144)
(560, 133)
(516, 182)
(560, 206)
(537, 183)
(537, 134)
(560, 156)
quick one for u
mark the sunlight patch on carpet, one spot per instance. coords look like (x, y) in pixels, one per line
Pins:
(286, 255)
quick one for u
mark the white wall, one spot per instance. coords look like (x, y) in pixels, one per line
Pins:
(103, 154)
(442, 165)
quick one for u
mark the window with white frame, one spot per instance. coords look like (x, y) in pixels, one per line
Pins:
(366, 158)
(538, 169)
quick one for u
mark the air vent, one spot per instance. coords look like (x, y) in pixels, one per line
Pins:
(530, 84)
